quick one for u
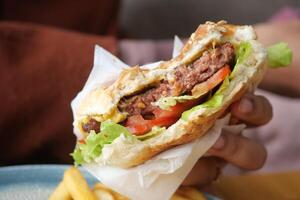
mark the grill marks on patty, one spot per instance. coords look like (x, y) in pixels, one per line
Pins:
(186, 77)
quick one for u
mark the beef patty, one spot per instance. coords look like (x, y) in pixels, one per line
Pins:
(186, 77)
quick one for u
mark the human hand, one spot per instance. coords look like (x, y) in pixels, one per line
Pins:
(235, 149)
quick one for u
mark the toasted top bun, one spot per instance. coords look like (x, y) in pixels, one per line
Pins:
(101, 103)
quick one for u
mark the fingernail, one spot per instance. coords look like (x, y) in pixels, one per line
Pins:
(220, 143)
(245, 106)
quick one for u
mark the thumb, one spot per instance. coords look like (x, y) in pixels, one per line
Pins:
(239, 150)
(253, 110)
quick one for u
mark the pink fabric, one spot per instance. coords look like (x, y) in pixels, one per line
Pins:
(281, 136)
(139, 52)
(286, 13)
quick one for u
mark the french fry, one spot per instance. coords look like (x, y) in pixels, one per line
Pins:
(117, 195)
(190, 193)
(178, 197)
(102, 186)
(60, 193)
(120, 197)
(77, 185)
(103, 194)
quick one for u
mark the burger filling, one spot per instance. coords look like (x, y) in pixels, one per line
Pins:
(200, 84)
(143, 111)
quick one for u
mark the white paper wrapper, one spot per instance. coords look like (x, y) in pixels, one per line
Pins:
(158, 178)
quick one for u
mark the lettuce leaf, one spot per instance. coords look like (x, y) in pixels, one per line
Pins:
(94, 143)
(166, 102)
(77, 156)
(92, 147)
(85, 153)
(279, 55)
(111, 130)
(156, 130)
(244, 50)
(215, 101)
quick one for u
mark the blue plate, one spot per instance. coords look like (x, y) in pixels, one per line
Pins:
(37, 182)
(32, 182)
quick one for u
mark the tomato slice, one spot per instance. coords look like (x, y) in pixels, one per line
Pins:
(175, 111)
(218, 77)
(204, 87)
(82, 141)
(139, 126)
(163, 121)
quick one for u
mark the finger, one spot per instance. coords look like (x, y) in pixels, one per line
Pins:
(253, 110)
(239, 151)
(205, 171)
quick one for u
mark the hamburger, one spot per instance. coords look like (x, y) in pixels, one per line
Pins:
(147, 111)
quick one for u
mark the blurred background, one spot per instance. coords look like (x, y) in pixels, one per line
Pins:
(142, 19)
(46, 54)
(157, 19)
